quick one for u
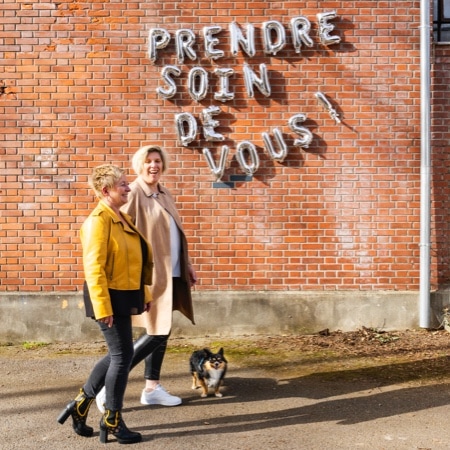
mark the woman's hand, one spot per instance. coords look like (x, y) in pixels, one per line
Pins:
(108, 320)
(192, 275)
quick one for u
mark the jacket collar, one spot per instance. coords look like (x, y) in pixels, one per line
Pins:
(103, 206)
(146, 188)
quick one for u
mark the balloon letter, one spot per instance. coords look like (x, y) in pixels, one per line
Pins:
(273, 26)
(209, 124)
(261, 83)
(224, 94)
(300, 28)
(325, 28)
(331, 111)
(248, 168)
(184, 41)
(198, 83)
(158, 39)
(186, 128)
(305, 135)
(217, 171)
(166, 74)
(210, 42)
(277, 156)
(248, 45)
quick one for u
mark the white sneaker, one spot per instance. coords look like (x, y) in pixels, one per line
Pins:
(100, 400)
(159, 396)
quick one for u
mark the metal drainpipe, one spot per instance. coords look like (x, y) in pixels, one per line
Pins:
(425, 163)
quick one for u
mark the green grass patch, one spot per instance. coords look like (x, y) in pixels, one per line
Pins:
(29, 345)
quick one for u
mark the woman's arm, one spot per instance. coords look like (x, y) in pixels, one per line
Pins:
(94, 239)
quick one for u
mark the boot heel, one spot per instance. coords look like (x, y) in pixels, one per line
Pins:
(103, 433)
(66, 412)
(78, 409)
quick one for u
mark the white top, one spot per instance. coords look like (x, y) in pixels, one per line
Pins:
(175, 248)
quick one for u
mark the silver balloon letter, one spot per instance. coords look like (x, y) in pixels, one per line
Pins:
(248, 167)
(224, 95)
(166, 75)
(210, 42)
(323, 99)
(184, 41)
(261, 83)
(325, 28)
(305, 135)
(209, 124)
(158, 39)
(198, 83)
(269, 28)
(217, 171)
(277, 156)
(186, 126)
(248, 45)
(300, 28)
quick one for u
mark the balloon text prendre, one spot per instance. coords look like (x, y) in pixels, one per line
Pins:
(198, 82)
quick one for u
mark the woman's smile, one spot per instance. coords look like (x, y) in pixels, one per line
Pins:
(153, 167)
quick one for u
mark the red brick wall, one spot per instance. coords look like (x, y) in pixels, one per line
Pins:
(80, 90)
(440, 143)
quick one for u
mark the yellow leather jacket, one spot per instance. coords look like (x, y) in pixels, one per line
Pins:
(112, 257)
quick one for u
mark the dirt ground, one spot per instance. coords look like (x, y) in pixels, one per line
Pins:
(365, 389)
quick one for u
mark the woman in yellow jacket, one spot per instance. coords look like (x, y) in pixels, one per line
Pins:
(117, 262)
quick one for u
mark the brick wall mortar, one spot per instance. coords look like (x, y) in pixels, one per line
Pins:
(343, 214)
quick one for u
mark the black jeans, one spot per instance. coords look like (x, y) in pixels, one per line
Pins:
(152, 349)
(112, 370)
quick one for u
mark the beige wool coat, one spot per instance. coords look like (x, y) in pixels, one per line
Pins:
(151, 216)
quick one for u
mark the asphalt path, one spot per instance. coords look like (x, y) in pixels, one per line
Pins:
(259, 410)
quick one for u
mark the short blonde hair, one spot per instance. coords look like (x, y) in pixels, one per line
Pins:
(140, 157)
(106, 175)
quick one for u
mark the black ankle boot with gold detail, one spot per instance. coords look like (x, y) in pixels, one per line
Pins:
(78, 409)
(112, 422)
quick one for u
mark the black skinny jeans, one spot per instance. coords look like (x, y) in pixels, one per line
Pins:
(112, 370)
(152, 349)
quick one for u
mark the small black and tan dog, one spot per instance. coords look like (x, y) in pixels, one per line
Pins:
(208, 370)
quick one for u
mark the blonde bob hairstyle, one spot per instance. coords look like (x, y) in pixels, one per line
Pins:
(106, 175)
(141, 155)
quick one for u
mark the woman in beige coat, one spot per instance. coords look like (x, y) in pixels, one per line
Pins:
(155, 214)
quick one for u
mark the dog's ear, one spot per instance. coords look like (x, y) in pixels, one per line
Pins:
(207, 352)
(220, 352)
